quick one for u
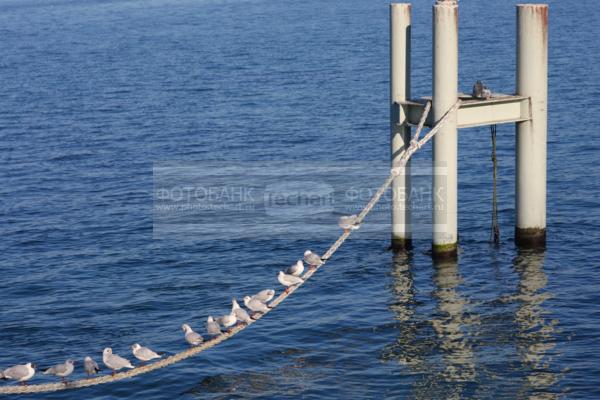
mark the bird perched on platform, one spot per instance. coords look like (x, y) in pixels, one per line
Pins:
(212, 326)
(114, 361)
(240, 313)
(90, 367)
(296, 269)
(228, 320)
(312, 259)
(349, 222)
(480, 91)
(288, 280)
(193, 338)
(20, 373)
(264, 295)
(61, 370)
(143, 353)
(255, 305)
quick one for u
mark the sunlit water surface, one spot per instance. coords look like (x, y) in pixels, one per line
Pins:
(94, 93)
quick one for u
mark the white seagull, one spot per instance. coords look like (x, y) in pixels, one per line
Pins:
(212, 326)
(193, 338)
(240, 313)
(143, 353)
(61, 370)
(349, 222)
(255, 305)
(21, 373)
(90, 366)
(264, 295)
(296, 269)
(312, 259)
(288, 280)
(228, 320)
(114, 361)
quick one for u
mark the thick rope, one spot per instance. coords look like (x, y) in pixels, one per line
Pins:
(422, 121)
(53, 387)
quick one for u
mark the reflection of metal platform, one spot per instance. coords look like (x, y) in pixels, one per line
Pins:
(499, 109)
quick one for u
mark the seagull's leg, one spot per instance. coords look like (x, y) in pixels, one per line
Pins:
(255, 314)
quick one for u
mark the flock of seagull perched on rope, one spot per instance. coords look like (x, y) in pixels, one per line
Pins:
(257, 304)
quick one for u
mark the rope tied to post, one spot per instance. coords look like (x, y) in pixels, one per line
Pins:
(139, 370)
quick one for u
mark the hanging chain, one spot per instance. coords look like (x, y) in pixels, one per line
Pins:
(495, 234)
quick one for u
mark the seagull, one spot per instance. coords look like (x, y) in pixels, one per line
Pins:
(480, 91)
(240, 313)
(193, 338)
(264, 295)
(90, 366)
(288, 280)
(61, 370)
(114, 361)
(296, 269)
(312, 259)
(349, 222)
(228, 320)
(143, 353)
(21, 373)
(255, 305)
(212, 326)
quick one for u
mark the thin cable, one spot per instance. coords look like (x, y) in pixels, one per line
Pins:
(495, 234)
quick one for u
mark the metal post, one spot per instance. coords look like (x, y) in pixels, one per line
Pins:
(400, 130)
(445, 143)
(531, 136)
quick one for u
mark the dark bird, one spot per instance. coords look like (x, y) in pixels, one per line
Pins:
(480, 91)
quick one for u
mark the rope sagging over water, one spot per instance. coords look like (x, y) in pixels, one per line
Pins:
(165, 362)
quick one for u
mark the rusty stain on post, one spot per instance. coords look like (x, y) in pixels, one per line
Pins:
(531, 136)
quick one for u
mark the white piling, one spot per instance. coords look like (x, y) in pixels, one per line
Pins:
(445, 143)
(531, 136)
(400, 27)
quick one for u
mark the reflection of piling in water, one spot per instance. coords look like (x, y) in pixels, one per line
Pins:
(406, 349)
(451, 325)
(535, 333)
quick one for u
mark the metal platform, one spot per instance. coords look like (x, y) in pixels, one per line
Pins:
(499, 109)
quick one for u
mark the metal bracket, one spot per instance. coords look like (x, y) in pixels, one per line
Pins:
(499, 109)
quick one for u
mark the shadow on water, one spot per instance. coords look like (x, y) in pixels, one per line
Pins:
(295, 371)
(448, 350)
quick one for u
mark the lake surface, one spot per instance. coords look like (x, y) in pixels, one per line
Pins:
(96, 95)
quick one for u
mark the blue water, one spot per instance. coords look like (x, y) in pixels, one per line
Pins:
(94, 93)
